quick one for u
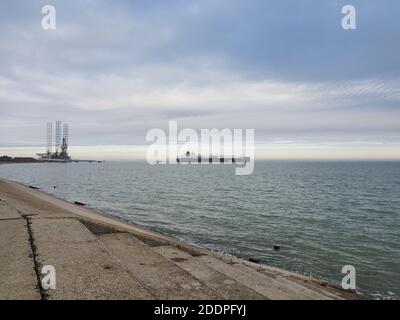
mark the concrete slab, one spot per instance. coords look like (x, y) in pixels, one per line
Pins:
(62, 230)
(84, 268)
(8, 212)
(161, 277)
(17, 274)
(268, 289)
(225, 287)
(326, 290)
(294, 290)
(38, 211)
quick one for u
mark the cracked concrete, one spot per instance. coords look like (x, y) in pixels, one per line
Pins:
(17, 273)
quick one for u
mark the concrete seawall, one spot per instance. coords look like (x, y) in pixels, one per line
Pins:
(99, 257)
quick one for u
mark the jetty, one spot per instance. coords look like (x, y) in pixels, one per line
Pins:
(96, 256)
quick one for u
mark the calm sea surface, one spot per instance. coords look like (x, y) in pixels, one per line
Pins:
(324, 215)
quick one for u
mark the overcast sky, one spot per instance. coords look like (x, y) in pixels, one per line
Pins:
(115, 69)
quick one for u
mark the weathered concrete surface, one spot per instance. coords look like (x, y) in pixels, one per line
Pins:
(8, 212)
(100, 257)
(17, 275)
(84, 269)
(223, 286)
(292, 289)
(160, 276)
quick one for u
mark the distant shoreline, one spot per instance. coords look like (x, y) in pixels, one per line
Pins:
(13, 160)
(18, 162)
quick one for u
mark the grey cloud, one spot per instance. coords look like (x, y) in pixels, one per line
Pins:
(116, 69)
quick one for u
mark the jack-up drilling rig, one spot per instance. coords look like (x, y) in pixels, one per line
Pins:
(61, 144)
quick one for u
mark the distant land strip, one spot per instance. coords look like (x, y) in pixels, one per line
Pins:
(6, 159)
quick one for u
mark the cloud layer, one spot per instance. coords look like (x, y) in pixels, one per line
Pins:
(114, 70)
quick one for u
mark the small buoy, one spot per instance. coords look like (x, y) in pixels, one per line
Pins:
(276, 248)
(54, 187)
